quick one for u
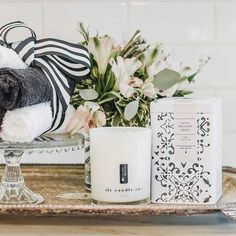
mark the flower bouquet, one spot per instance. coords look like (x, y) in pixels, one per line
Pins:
(125, 78)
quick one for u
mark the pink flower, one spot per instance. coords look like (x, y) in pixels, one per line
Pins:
(87, 116)
(135, 82)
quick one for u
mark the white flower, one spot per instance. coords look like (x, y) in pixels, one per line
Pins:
(99, 118)
(156, 67)
(126, 90)
(102, 49)
(155, 60)
(159, 65)
(148, 89)
(123, 70)
(91, 106)
(150, 56)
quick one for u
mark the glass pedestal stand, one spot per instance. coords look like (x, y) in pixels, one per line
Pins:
(13, 189)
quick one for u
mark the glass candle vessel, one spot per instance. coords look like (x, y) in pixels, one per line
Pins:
(120, 164)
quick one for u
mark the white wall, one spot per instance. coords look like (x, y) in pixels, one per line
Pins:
(191, 29)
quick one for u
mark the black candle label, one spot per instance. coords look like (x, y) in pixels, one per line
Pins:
(123, 173)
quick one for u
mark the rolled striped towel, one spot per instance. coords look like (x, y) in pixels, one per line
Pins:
(63, 63)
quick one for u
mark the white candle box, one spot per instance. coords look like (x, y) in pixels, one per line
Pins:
(186, 151)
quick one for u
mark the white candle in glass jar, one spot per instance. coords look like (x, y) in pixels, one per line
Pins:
(120, 164)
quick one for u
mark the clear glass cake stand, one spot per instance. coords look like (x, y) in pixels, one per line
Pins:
(13, 189)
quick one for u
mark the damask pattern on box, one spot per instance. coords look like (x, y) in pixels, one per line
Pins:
(181, 181)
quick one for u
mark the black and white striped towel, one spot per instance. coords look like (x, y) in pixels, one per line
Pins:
(64, 64)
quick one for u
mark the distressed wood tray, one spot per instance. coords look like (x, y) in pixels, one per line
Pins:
(64, 193)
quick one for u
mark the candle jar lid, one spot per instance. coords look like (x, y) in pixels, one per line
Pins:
(183, 104)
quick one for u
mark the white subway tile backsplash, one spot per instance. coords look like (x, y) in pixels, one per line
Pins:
(30, 13)
(229, 109)
(220, 72)
(190, 29)
(229, 140)
(225, 21)
(173, 21)
(61, 19)
(202, 92)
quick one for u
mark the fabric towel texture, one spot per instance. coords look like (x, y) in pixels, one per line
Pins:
(2, 114)
(36, 90)
(9, 58)
(27, 123)
(23, 87)
(63, 63)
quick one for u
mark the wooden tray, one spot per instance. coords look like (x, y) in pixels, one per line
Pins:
(64, 193)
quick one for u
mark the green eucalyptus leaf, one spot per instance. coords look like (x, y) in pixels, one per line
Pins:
(96, 42)
(131, 110)
(111, 82)
(115, 94)
(119, 109)
(165, 79)
(116, 120)
(108, 99)
(88, 94)
(192, 77)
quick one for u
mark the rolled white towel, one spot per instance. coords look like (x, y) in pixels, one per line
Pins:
(10, 59)
(25, 124)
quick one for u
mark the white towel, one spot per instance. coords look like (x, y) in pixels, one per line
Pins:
(25, 124)
(10, 59)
